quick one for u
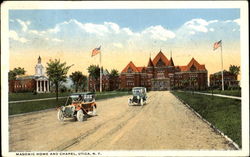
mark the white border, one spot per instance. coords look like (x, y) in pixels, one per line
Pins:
(132, 5)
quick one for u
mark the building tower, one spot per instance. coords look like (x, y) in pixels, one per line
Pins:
(39, 69)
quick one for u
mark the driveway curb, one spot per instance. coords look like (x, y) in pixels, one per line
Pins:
(211, 125)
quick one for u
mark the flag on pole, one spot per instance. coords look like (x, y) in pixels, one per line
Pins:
(217, 44)
(95, 51)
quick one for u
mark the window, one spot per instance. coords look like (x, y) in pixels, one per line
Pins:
(130, 70)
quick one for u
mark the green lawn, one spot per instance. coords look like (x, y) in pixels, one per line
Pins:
(24, 107)
(225, 92)
(223, 113)
(29, 96)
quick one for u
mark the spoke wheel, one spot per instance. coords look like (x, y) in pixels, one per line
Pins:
(80, 115)
(94, 111)
(60, 116)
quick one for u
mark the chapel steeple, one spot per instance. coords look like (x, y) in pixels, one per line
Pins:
(39, 60)
(39, 69)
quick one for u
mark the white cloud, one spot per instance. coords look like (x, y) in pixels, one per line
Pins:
(56, 40)
(113, 27)
(197, 25)
(158, 33)
(192, 32)
(237, 21)
(211, 29)
(75, 34)
(213, 21)
(13, 35)
(24, 24)
(118, 45)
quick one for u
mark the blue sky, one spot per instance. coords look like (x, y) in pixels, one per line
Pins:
(137, 20)
(134, 33)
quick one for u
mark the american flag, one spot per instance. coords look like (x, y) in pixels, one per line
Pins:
(217, 44)
(95, 51)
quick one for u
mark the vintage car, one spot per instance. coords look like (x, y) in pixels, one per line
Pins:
(139, 96)
(78, 106)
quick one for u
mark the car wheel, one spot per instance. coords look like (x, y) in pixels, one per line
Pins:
(80, 115)
(94, 111)
(129, 102)
(60, 116)
(141, 102)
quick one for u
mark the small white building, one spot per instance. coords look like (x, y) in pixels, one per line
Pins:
(31, 83)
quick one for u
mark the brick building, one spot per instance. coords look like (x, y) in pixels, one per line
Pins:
(230, 80)
(109, 83)
(38, 82)
(162, 74)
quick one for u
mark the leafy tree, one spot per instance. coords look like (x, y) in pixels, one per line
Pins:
(94, 73)
(78, 79)
(57, 73)
(114, 73)
(16, 72)
(234, 69)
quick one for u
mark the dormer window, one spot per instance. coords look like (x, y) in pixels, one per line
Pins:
(193, 68)
(130, 70)
(160, 63)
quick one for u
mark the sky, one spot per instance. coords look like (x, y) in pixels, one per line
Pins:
(124, 35)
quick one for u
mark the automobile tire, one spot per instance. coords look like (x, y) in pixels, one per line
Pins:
(80, 116)
(94, 111)
(60, 116)
(141, 102)
(129, 102)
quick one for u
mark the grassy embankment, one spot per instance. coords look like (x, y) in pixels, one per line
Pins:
(24, 107)
(223, 113)
(225, 92)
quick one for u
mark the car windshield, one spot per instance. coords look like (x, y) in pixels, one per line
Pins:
(136, 92)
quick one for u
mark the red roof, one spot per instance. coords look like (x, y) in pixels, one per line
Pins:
(183, 68)
(150, 63)
(193, 62)
(140, 69)
(132, 66)
(161, 56)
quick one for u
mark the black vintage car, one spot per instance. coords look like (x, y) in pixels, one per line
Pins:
(139, 96)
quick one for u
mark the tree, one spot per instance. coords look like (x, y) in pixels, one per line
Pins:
(57, 73)
(16, 72)
(94, 73)
(78, 79)
(114, 73)
(234, 69)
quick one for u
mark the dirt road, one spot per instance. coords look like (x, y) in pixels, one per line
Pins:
(163, 124)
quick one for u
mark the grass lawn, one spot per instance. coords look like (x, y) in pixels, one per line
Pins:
(223, 113)
(225, 92)
(29, 96)
(24, 107)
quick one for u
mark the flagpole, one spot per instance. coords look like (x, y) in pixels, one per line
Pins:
(100, 72)
(222, 79)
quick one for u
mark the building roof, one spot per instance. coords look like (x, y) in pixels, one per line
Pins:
(132, 66)
(150, 63)
(161, 56)
(28, 77)
(171, 62)
(194, 63)
(140, 69)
